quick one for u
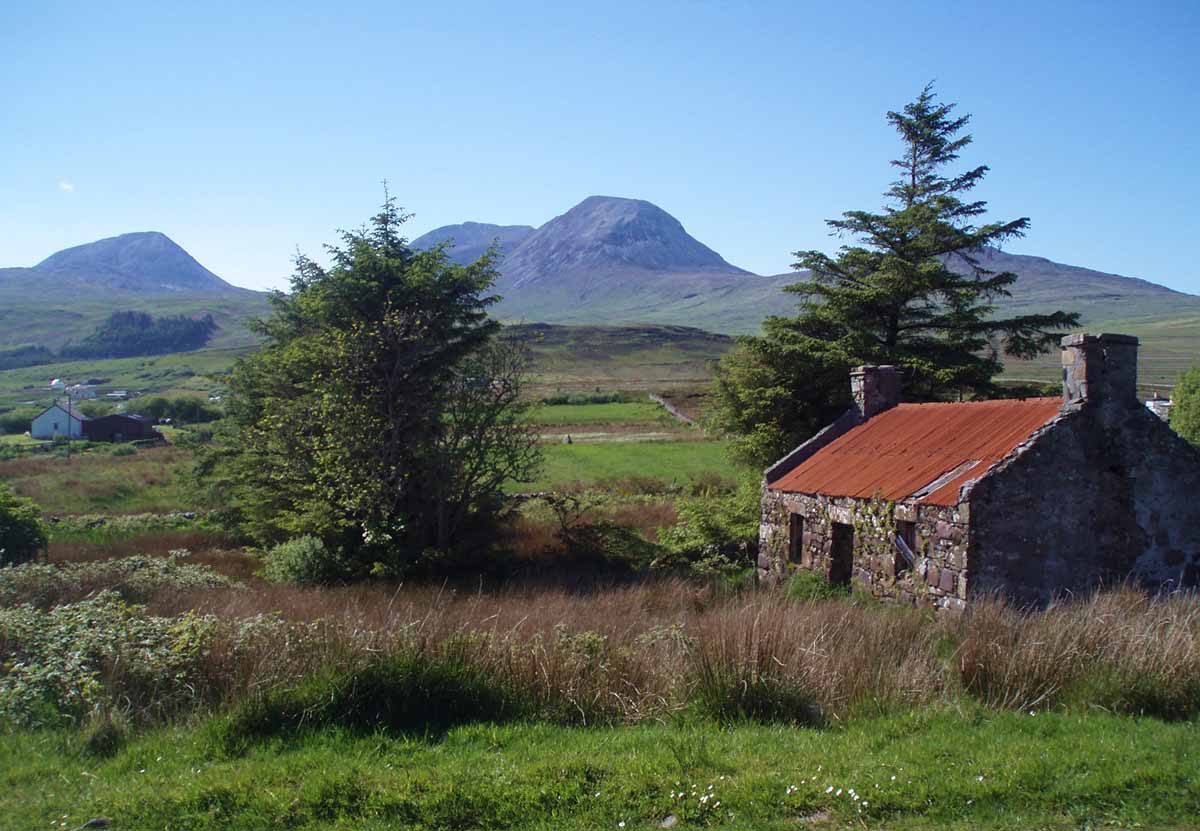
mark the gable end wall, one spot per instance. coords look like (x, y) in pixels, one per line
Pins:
(1096, 496)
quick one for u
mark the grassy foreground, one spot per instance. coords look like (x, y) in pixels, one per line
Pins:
(935, 769)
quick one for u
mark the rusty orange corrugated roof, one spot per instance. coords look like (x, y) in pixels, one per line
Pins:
(922, 450)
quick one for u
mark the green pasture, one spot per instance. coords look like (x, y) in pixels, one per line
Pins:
(923, 770)
(610, 413)
(678, 462)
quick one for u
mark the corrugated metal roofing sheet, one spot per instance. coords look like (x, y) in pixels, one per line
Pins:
(922, 450)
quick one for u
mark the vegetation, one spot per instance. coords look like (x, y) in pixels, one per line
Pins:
(661, 466)
(1185, 412)
(99, 482)
(18, 356)
(128, 334)
(927, 770)
(185, 409)
(22, 533)
(913, 292)
(382, 415)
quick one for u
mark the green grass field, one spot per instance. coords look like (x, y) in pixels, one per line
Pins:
(937, 769)
(678, 462)
(611, 413)
(97, 482)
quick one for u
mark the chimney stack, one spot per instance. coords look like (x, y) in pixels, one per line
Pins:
(875, 389)
(1100, 369)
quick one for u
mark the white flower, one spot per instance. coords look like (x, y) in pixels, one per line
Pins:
(621, 824)
(830, 789)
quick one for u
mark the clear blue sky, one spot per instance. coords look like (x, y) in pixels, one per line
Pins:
(248, 130)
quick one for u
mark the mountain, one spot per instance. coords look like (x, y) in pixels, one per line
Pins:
(605, 235)
(471, 239)
(63, 298)
(610, 260)
(146, 261)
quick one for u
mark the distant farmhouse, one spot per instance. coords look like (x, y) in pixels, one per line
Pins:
(120, 427)
(937, 504)
(55, 421)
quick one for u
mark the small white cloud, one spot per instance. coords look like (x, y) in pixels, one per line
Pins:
(66, 187)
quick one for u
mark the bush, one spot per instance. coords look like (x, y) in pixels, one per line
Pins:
(73, 660)
(422, 691)
(306, 561)
(804, 585)
(590, 398)
(18, 420)
(134, 578)
(22, 532)
(715, 534)
(1185, 415)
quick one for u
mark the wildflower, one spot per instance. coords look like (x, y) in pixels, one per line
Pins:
(839, 792)
(621, 824)
(830, 788)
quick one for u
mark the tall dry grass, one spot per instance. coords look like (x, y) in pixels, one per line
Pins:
(1121, 650)
(648, 650)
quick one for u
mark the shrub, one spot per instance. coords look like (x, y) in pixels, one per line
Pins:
(72, 660)
(105, 734)
(1185, 416)
(134, 578)
(411, 690)
(804, 585)
(22, 532)
(306, 561)
(714, 534)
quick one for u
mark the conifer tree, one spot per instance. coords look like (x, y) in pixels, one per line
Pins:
(911, 289)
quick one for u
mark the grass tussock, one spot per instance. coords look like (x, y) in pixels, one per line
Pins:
(1122, 651)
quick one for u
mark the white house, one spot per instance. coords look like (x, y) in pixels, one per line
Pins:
(81, 392)
(55, 421)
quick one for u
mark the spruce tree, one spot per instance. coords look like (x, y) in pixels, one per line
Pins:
(914, 291)
(911, 289)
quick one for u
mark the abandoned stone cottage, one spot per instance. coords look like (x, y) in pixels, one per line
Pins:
(934, 504)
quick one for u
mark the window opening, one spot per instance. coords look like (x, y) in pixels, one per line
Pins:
(795, 538)
(906, 546)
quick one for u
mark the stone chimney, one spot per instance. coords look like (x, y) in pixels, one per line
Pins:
(875, 389)
(1099, 369)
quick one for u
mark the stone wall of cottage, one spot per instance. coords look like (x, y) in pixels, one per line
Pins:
(938, 578)
(1102, 493)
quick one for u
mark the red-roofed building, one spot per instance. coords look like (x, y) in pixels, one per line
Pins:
(937, 503)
